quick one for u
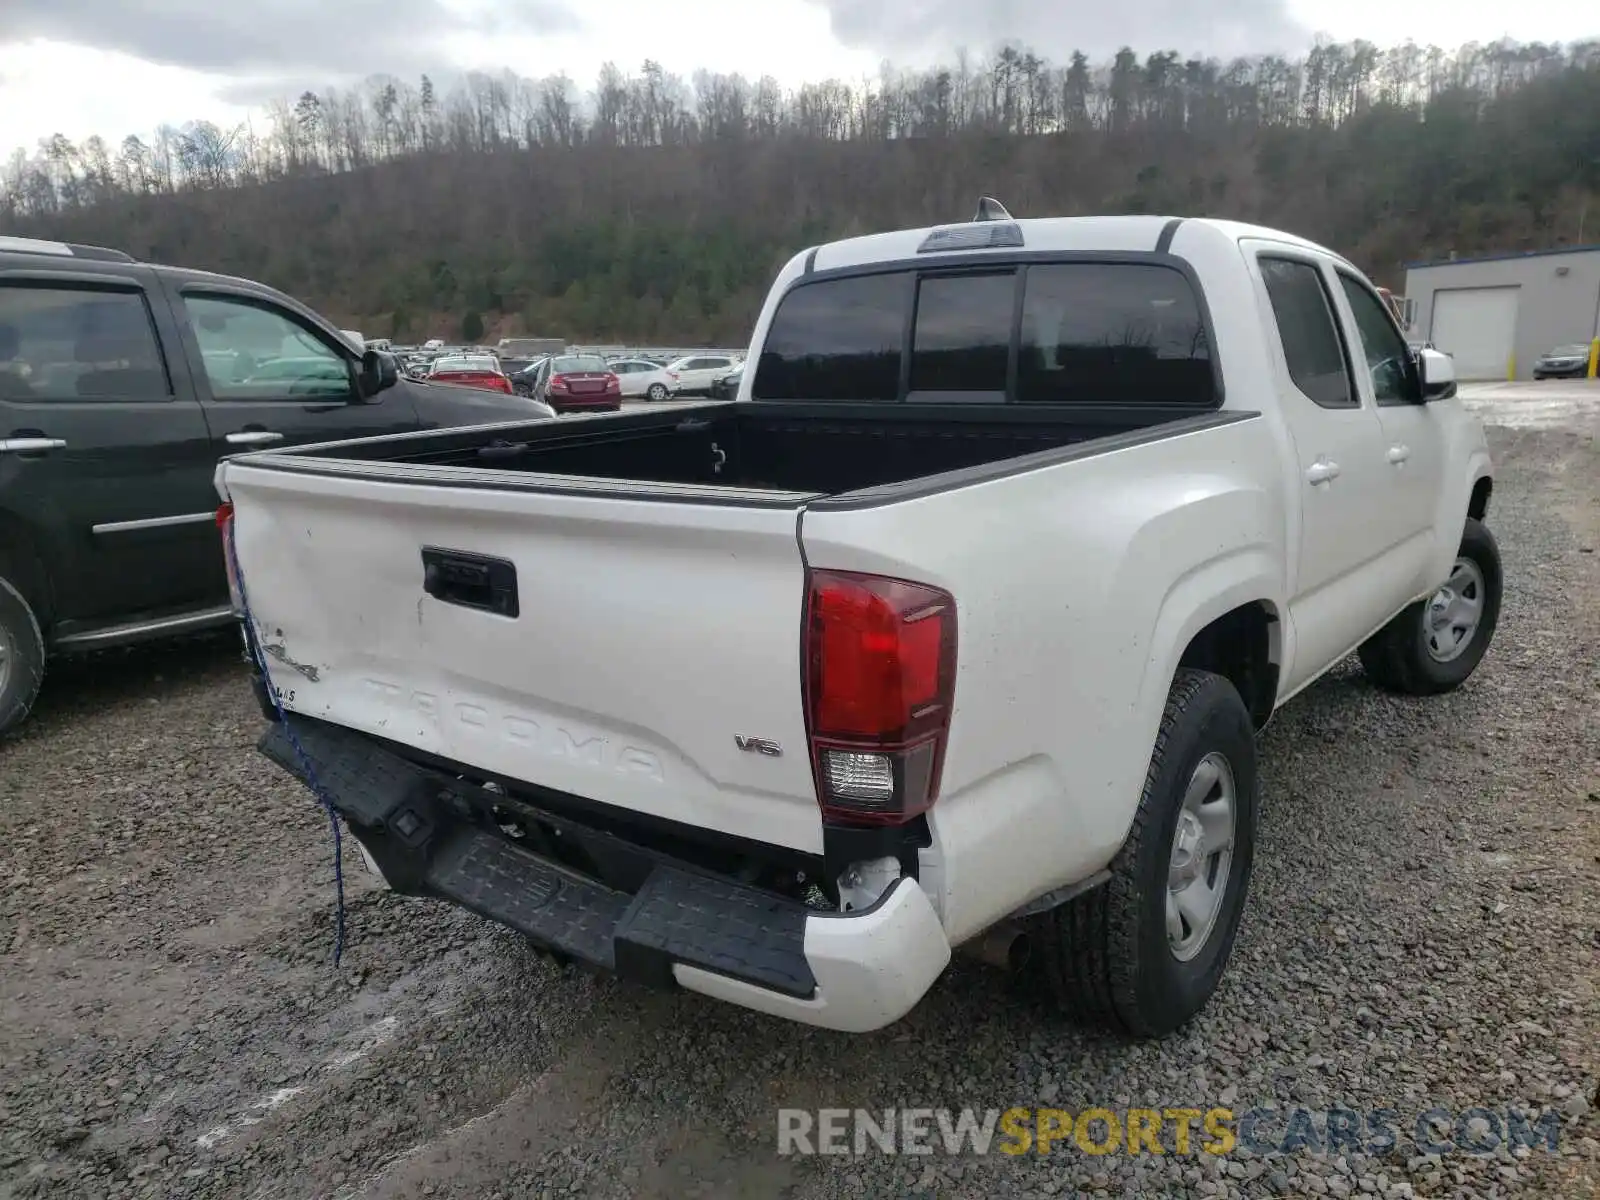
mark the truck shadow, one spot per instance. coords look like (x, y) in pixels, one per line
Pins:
(77, 685)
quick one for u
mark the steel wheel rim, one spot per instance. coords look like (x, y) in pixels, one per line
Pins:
(1199, 865)
(1451, 617)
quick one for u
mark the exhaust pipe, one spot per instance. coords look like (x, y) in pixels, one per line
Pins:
(1005, 945)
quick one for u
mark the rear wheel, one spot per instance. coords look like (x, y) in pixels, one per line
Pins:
(657, 391)
(21, 657)
(1433, 645)
(1144, 952)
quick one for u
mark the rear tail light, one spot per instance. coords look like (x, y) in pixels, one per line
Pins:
(673, 375)
(613, 384)
(880, 665)
(225, 529)
(558, 383)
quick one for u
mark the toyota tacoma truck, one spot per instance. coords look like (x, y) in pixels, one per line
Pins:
(953, 630)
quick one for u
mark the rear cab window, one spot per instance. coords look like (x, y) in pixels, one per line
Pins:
(1303, 310)
(1037, 332)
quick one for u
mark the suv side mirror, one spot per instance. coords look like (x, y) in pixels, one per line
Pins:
(379, 371)
(1437, 373)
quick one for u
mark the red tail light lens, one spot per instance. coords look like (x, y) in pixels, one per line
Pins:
(558, 383)
(613, 384)
(880, 661)
(225, 528)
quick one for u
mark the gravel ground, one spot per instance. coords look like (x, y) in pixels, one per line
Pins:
(1424, 930)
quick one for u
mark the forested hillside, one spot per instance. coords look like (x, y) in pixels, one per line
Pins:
(652, 208)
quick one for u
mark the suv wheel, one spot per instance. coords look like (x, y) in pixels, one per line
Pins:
(1434, 644)
(1144, 952)
(21, 657)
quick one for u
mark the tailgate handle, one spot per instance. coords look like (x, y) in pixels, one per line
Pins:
(470, 580)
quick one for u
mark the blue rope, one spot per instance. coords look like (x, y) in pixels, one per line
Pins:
(253, 643)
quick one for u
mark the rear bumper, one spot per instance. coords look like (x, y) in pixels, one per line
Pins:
(669, 923)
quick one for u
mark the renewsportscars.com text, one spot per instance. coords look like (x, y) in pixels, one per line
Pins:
(1133, 1131)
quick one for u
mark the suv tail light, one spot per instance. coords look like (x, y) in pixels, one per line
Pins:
(880, 666)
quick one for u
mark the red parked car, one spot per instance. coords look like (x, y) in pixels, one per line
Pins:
(470, 370)
(578, 383)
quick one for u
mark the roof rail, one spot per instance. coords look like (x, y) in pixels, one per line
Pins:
(23, 245)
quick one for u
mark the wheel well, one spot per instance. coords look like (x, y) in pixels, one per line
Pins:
(1242, 646)
(1478, 506)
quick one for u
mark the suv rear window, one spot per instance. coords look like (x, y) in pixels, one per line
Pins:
(837, 339)
(1112, 333)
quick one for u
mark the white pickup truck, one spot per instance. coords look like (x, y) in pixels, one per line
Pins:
(953, 630)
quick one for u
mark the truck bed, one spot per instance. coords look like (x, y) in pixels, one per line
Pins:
(793, 451)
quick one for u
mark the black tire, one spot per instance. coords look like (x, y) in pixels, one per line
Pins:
(21, 658)
(657, 391)
(1398, 657)
(1106, 955)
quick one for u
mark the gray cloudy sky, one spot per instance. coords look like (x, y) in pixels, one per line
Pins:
(930, 28)
(114, 67)
(332, 38)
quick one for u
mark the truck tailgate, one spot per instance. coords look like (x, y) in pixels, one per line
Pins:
(650, 638)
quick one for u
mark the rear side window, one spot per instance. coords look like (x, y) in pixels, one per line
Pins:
(963, 336)
(837, 339)
(1304, 314)
(78, 344)
(1112, 333)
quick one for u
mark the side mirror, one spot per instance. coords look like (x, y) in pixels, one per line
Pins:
(379, 371)
(1437, 373)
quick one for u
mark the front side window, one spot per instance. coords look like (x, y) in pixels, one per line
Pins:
(72, 343)
(256, 353)
(1303, 311)
(1113, 333)
(1387, 355)
(836, 339)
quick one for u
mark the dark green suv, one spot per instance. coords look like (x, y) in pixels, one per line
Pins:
(121, 385)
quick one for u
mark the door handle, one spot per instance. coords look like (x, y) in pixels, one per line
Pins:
(253, 437)
(1399, 454)
(1322, 471)
(30, 445)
